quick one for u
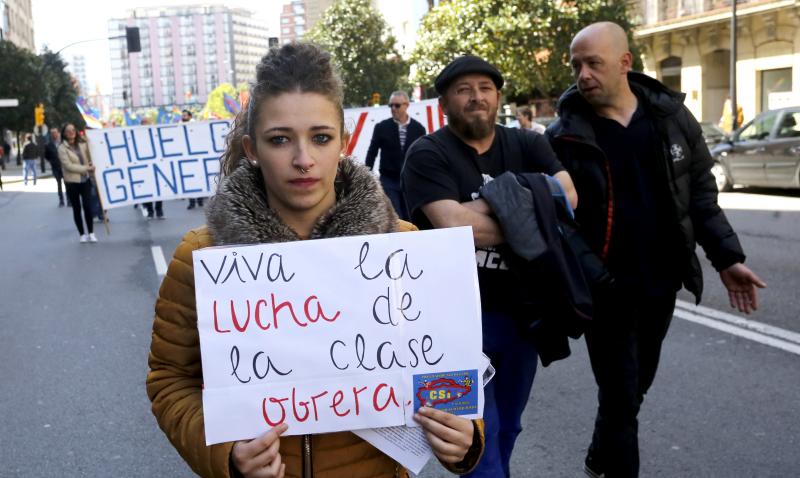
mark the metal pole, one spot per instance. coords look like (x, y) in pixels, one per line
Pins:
(734, 115)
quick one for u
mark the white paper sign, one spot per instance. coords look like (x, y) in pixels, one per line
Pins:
(325, 335)
(138, 164)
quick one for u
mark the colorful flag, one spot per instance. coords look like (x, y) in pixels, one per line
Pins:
(231, 104)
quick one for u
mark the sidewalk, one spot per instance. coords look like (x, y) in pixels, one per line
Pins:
(13, 173)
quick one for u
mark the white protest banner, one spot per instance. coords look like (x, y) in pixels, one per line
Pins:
(137, 164)
(333, 334)
(360, 122)
(160, 162)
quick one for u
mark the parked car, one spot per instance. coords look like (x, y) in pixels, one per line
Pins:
(712, 133)
(764, 152)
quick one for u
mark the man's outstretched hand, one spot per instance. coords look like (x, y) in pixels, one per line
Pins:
(742, 285)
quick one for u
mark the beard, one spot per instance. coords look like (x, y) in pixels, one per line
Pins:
(477, 128)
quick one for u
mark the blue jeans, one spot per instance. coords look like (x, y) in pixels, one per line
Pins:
(514, 359)
(30, 166)
(392, 188)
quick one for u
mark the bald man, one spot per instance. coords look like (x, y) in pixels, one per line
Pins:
(642, 170)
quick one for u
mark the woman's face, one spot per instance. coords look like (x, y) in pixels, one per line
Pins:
(297, 145)
(70, 133)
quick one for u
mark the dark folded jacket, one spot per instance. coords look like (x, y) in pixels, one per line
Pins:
(544, 252)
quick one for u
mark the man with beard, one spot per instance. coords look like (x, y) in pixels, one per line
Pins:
(643, 173)
(441, 178)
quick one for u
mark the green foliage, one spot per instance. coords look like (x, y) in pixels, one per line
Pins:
(34, 79)
(527, 40)
(364, 52)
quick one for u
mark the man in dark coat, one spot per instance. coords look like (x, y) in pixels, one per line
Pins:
(392, 137)
(642, 170)
(51, 155)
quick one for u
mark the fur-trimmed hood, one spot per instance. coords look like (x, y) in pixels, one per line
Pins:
(239, 212)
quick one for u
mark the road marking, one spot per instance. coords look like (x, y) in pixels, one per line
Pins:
(748, 329)
(158, 259)
(765, 329)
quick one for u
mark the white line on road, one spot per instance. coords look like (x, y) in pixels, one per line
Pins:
(759, 327)
(738, 331)
(158, 259)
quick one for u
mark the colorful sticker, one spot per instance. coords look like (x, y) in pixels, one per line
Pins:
(454, 392)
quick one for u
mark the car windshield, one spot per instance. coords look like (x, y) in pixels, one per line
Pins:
(759, 128)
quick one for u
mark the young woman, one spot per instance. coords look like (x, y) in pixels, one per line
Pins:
(285, 178)
(76, 163)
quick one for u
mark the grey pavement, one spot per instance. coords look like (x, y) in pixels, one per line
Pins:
(75, 331)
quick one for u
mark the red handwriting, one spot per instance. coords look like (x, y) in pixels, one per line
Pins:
(356, 133)
(274, 409)
(274, 309)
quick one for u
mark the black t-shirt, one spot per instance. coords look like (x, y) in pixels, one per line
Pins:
(640, 255)
(441, 166)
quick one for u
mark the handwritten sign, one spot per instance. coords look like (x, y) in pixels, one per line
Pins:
(326, 335)
(161, 162)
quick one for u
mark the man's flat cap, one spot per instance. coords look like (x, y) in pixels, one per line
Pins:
(465, 65)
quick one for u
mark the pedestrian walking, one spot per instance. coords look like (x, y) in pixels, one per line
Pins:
(443, 174)
(392, 137)
(76, 163)
(30, 153)
(525, 118)
(294, 184)
(51, 154)
(643, 173)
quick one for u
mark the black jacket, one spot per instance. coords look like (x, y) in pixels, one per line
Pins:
(554, 299)
(684, 164)
(30, 151)
(51, 155)
(386, 138)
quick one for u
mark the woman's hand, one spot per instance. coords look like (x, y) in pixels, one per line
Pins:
(450, 436)
(259, 457)
(90, 169)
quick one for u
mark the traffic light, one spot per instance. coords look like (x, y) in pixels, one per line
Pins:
(38, 114)
(376, 99)
(132, 35)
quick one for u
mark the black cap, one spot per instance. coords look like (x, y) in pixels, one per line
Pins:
(465, 65)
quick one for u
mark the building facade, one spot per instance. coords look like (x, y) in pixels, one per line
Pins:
(16, 23)
(687, 45)
(299, 16)
(77, 67)
(186, 53)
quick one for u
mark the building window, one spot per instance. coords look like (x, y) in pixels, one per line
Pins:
(776, 86)
(671, 73)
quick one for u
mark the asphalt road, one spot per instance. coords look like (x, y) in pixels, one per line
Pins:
(75, 327)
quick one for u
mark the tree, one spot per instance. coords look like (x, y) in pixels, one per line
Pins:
(34, 79)
(60, 92)
(364, 52)
(527, 40)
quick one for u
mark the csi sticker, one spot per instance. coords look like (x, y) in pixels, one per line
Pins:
(453, 392)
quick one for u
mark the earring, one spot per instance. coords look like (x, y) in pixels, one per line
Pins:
(253, 163)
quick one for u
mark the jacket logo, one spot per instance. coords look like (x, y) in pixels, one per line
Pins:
(677, 153)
